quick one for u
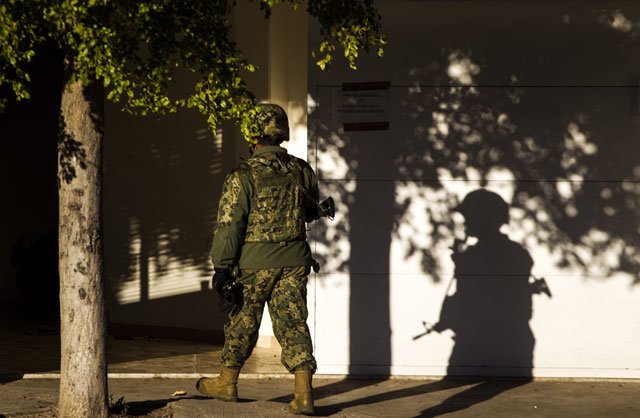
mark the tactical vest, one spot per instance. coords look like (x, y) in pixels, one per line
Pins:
(277, 213)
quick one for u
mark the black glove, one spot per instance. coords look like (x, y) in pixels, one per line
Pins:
(228, 290)
(221, 277)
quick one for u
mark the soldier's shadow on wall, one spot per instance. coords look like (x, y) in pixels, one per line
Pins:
(490, 310)
(489, 313)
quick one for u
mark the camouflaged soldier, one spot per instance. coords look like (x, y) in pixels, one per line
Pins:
(261, 233)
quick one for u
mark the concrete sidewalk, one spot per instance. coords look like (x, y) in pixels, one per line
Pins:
(268, 397)
(29, 364)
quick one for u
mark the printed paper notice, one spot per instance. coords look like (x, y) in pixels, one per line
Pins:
(362, 106)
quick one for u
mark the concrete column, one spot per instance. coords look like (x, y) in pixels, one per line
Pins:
(287, 82)
(288, 52)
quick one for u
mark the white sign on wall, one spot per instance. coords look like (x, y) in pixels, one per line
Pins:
(361, 106)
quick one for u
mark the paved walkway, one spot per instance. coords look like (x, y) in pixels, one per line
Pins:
(29, 361)
(34, 350)
(351, 398)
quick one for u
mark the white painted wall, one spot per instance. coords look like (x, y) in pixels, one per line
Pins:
(536, 101)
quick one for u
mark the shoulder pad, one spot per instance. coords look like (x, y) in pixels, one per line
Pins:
(243, 166)
(240, 170)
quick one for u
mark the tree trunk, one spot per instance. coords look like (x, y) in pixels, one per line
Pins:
(83, 368)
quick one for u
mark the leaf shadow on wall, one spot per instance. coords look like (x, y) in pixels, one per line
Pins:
(162, 181)
(566, 155)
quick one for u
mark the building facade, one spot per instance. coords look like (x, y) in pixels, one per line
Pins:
(534, 101)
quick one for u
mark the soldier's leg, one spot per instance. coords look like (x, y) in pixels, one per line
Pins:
(241, 333)
(288, 309)
(241, 329)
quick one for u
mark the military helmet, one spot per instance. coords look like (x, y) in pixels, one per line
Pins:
(273, 123)
(484, 203)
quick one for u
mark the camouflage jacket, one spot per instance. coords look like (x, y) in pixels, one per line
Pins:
(262, 213)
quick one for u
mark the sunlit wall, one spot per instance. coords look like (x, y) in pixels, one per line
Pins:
(535, 101)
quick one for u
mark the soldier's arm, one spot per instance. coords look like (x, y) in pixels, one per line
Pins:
(233, 210)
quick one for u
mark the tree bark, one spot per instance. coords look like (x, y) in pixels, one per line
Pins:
(83, 368)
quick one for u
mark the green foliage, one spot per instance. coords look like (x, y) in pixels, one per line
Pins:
(18, 39)
(352, 25)
(137, 47)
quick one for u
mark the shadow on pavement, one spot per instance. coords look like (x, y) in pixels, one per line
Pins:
(478, 393)
(480, 390)
(10, 378)
(154, 407)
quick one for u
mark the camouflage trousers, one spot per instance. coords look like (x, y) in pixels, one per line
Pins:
(285, 292)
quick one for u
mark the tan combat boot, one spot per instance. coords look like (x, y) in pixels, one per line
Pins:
(302, 403)
(223, 387)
